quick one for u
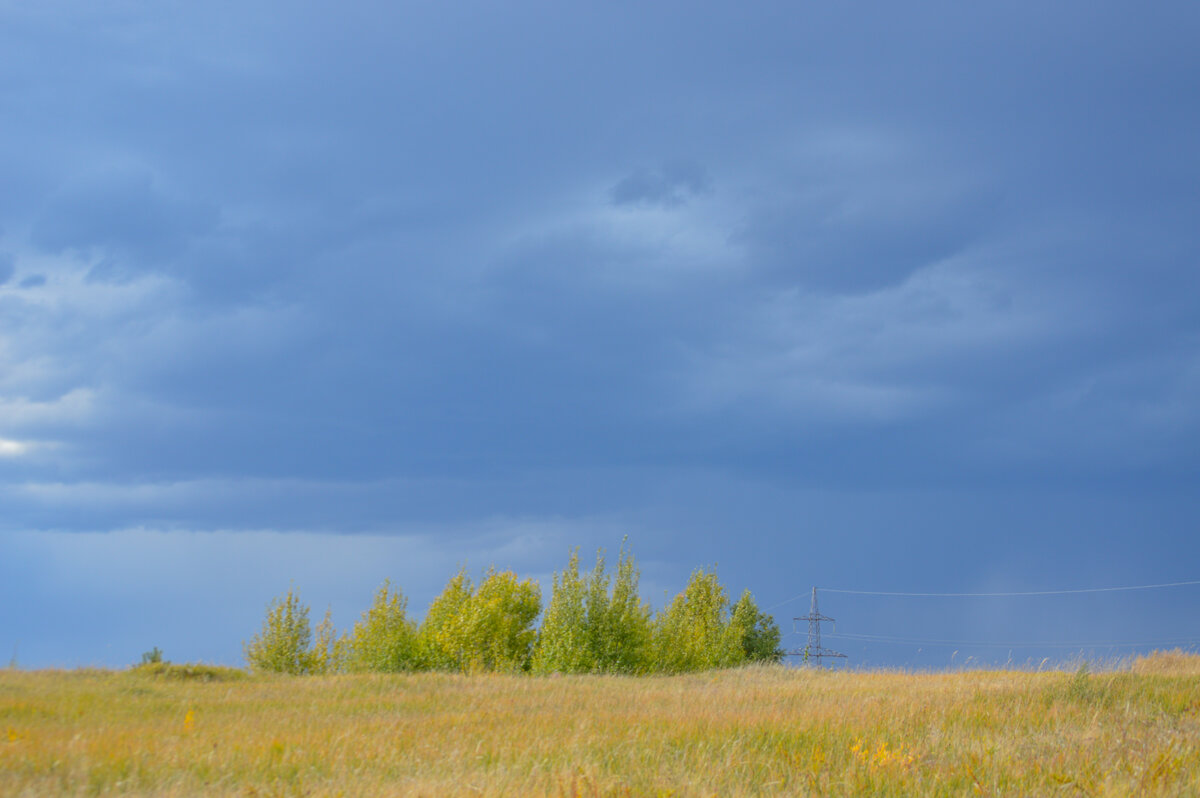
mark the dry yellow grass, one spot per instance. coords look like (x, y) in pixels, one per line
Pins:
(755, 731)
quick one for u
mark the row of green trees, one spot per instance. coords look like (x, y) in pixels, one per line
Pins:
(594, 623)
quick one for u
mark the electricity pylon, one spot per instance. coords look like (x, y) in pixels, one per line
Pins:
(813, 650)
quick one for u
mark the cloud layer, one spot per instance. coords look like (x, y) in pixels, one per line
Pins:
(398, 270)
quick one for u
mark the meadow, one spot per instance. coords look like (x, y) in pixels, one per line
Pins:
(158, 730)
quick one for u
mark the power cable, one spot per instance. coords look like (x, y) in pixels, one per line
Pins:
(1010, 594)
(994, 644)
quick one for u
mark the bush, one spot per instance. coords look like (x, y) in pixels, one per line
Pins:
(756, 633)
(186, 672)
(488, 628)
(284, 644)
(587, 627)
(500, 616)
(442, 637)
(564, 644)
(385, 640)
(693, 632)
(329, 652)
(626, 623)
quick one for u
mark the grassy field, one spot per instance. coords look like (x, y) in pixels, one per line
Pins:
(756, 731)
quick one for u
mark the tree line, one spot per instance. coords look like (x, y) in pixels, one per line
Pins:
(595, 622)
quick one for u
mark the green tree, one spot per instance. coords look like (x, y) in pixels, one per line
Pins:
(597, 612)
(500, 616)
(563, 644)
(385, 639)
(328, 651)
(442, 638)
(756, 633)
(484, 628)
(692, 632)
(283, 645)
(626, 636)
(589, 627)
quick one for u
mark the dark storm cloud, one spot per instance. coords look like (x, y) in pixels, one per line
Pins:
(690, 270)
(374, 210)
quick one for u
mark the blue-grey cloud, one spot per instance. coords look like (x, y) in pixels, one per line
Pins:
(121, 215)
(672, 184)
(737, 280)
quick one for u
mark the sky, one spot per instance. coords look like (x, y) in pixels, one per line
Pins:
(866, 296)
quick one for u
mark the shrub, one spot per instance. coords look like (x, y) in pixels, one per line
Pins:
(692, 633)
(188, 672)
(488, 628)
(283, 645)
(589, 628)
(499, 626)
(626, 623)
(385, 640)
(329, 652)
(563, 643)
(755, 632)
(441, 639)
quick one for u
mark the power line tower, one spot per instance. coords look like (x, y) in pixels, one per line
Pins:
(813, 650)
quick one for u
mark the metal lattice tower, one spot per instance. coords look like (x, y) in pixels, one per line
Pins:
(813, 650)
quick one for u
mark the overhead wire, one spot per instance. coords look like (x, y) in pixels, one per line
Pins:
(1012, 593)
(1080, 644)
(1006, 594)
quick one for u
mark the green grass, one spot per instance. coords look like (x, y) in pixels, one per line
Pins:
(183, 730)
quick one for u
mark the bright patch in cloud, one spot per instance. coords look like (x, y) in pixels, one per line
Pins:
(10, 448)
